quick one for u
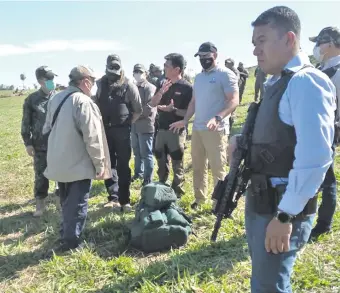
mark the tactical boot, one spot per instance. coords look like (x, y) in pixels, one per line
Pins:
(40, 207)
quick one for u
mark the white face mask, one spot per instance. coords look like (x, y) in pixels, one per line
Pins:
(139, 77)
(317, 54)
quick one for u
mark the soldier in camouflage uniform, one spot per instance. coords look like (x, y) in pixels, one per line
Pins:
(34, 115)
(230, 64)
(244, 74)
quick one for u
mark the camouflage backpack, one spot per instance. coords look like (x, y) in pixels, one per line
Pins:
(159, 224)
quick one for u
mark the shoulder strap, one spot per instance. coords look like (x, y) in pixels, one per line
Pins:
(56, 113)
(330, 72)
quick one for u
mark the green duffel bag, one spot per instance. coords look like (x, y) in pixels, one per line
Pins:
(163, 238)
(157, 196)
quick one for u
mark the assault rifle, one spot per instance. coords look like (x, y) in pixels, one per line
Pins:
(228, 192)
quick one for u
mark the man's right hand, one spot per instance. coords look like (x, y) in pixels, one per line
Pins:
(100, 176)
(177, 126)
(30, 150)
(165, 87)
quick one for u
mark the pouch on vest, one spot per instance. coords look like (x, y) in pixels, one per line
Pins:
(264, 194)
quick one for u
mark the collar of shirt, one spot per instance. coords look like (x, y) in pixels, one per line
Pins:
(43, 94)
(331, 62)
(294, 65)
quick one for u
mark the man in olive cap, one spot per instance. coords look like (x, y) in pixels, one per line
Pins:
(33, 119)
(327, 53)
(120, 105)
(77, 152)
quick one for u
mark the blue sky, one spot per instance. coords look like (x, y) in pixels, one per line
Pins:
(62, 35)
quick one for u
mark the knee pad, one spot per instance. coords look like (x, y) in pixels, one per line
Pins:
(177, 155)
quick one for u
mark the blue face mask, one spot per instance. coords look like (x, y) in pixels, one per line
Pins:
(49, 84)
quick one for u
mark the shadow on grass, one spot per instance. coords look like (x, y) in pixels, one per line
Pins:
(11, 207)
(205, 262)
(109, 235)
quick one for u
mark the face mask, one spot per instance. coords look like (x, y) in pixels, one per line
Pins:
(112, 77)
(139, 77)
(49, 84)
(317, 54)
(206, 63)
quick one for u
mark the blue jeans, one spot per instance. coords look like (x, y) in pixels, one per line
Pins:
(271, 272)
(142, 144)
(74, 198)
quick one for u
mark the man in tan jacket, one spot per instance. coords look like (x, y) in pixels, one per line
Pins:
(77, 151)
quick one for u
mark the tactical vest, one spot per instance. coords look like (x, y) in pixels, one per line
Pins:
(273, 141)
(330, 72)
(115, 110)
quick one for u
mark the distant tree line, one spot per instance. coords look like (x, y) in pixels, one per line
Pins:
(4, 87)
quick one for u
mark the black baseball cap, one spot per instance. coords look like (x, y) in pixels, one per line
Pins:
(327, 35)
(206, 48)
(44, 72)
(113, 64)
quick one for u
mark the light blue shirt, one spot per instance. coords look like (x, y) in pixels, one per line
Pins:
(308, 104)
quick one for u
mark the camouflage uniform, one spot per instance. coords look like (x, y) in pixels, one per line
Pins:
(229, 63)
(34, 115)
(244, 74)
(260, 79)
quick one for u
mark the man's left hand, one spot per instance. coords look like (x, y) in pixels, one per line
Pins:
(278, 236)
(168, 108)
(213, 124)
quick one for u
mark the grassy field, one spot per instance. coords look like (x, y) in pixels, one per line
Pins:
(112, 266)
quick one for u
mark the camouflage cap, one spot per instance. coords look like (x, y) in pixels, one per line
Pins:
(113, 64)
(157, 68)
(81, 71)
(327, 35)
(44, 72)
(139, 67)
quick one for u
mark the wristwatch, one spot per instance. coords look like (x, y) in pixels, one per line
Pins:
(283, 217)
(218, 119)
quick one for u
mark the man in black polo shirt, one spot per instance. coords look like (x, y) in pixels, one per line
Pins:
(172, 99)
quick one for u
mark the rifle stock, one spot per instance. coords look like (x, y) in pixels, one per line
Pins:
(228, 191)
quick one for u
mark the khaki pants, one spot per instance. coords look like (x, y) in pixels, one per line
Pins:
(170, 144)
(212, 146)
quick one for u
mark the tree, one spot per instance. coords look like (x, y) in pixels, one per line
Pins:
(35, 86)
(313, 60)
(23, 77)
(11, 88)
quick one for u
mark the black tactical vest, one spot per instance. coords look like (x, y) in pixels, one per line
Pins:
(273, 141)
(115, 110)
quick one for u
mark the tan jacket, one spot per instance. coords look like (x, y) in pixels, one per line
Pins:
(77, 146)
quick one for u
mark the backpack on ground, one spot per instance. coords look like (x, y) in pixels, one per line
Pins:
(159, 223)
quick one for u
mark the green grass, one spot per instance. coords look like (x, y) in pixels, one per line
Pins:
(112, 266)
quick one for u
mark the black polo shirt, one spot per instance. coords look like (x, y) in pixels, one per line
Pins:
(181, 93)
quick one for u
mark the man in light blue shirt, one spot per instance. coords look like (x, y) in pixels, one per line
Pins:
(291, 150)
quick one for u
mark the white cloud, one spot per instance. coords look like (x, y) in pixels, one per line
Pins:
(61, 45)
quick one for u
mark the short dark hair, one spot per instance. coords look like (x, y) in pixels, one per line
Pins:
(177, 60)
(282, 18)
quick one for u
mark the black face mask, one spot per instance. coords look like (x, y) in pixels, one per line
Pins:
(206, 63)
(112, 77)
